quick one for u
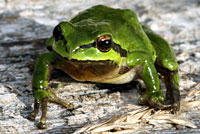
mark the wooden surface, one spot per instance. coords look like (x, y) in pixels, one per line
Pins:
(24, 27)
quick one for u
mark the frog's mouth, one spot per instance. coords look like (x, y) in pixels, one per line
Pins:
(94, 62)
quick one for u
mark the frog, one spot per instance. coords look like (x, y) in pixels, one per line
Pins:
(107, 45)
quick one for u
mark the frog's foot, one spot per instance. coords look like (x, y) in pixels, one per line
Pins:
(33, 114)
(173, 99)
(54, 99)
(61, 102)
(175, 107)
(155, 100)
(42, 124)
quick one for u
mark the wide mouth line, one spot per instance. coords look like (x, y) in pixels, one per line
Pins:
(106, 62)
(94, 62)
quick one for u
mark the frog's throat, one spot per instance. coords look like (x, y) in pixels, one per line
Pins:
(97, 71)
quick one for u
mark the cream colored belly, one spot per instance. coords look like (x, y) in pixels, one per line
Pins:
(121, 78)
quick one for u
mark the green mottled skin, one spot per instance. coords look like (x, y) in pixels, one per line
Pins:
(144, 49)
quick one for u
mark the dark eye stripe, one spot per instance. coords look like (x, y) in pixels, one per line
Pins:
(88, 46)
(116, 47)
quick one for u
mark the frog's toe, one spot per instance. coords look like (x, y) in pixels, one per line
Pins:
(42, 125)
(157, 103)
(174, 101)
(31, 117)
(175, 108)
(62, 102)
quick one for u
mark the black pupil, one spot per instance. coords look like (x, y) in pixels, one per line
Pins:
(104, 45)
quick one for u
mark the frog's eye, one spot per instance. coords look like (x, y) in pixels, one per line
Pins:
(58, 34)
(104, 43)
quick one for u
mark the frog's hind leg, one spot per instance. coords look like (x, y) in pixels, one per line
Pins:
(167, 66)
(171, 80)
(42, 71)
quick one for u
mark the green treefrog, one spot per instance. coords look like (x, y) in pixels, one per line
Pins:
(107, 45)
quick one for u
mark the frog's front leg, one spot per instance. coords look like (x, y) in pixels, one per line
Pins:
(153, 95)
(42, 71)
(43, 67)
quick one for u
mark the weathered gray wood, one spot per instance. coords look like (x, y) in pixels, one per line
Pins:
(25, 25)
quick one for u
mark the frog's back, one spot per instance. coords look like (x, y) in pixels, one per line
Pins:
(123, 25)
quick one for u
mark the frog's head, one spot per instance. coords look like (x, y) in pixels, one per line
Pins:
(83, 43)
